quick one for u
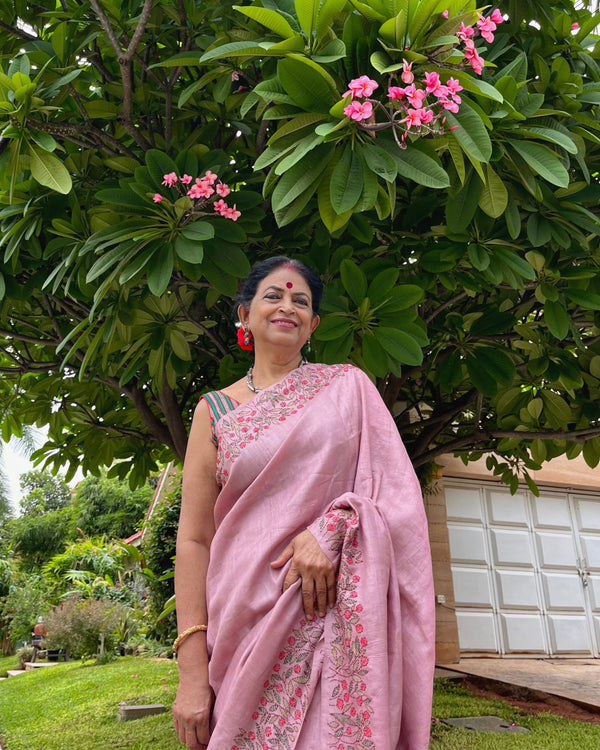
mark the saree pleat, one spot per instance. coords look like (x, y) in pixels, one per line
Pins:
(319, 450)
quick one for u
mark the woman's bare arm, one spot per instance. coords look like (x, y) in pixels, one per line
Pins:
(192, 707)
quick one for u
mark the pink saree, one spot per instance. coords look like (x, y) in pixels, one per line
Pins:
(319, 450)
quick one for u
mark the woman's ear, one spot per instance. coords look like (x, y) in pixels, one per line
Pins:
(315, 322)
(242, 314)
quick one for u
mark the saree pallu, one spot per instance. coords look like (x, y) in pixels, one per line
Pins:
(319, 450)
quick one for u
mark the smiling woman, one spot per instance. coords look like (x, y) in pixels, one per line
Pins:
(303, 573)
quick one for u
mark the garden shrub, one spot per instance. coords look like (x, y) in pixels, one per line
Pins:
(77, 625)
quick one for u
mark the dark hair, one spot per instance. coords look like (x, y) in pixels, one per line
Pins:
(264, 267)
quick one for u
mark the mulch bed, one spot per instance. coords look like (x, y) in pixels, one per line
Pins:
(530, 701)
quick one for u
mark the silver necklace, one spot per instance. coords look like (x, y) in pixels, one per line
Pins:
(250, 383)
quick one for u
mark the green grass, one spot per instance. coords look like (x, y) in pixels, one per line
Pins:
(547, 731)
(74, 707)
(6, 663)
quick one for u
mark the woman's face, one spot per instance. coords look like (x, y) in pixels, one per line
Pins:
(281, 310)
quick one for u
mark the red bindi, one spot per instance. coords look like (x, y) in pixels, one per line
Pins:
(289, 284)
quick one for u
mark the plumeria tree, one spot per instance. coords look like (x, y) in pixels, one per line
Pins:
(435, 161)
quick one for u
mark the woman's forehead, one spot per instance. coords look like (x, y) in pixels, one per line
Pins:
(285, 278)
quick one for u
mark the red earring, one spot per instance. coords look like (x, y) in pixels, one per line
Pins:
(244, 337)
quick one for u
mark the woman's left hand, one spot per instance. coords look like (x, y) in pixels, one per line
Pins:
(316, 570)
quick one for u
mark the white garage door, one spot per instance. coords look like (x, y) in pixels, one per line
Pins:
(526, 570)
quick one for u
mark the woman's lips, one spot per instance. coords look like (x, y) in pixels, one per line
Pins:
(283, 323)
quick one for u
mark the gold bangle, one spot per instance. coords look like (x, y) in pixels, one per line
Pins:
(189, 631)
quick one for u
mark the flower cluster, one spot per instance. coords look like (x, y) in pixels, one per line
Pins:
(409, 107)
(486, 28)
(201, 190)
(412, 106)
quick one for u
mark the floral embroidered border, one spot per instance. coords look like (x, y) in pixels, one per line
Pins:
(278, 718)
(273, 405)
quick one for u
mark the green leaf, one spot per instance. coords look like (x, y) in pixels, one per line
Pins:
(489, 367)
(306, 12)
(494, 195)
(379, 161)
(591, 452)
(478, 256)
(400, 345)
(326, 13)
(232, 49)
(308, 84)
(49, 171)
(542, 160)
(98, 109)
(381, 286)
(461, 206)
(229, 258)
(354, 280)
(331, 327)
(301, 176)
(346, 184)
(191, 251)
(44, 140)
(556, 407)
(198, 230)
(124, 198)
(416, 165)
(584, 298)
(516, 264)
(269, 18)
(374, 356)
(179, 344)
(159, 274)
(470, 132)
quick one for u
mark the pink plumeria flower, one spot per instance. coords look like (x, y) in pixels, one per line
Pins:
(413, 117)
(186, 179)
(407, 75)
(395, 92)
(453, 86)
(223, 190)
(486, 27)
(233, 213)
(210, 177)
(434, 86)
(157, 198)
(426, 116)
(359, 87)
(465, 32)
(170, 179)
(357, 111)
(575, 26)
(445, 14)
(450, 105)
(220, 206)
(415, 96)
(497, 17)
(475, 59)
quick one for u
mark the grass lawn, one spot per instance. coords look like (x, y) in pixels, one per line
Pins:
(547, 731)
(74, 707)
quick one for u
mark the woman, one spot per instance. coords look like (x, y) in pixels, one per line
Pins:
(303, 548)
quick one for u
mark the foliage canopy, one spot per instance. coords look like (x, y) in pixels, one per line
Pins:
(462, 270)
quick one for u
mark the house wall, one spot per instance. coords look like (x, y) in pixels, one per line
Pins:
(561, 472)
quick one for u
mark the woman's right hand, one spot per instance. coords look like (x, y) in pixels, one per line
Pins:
(191, 714)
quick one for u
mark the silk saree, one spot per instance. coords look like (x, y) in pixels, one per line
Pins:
(319, 450)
